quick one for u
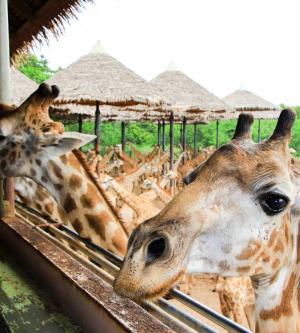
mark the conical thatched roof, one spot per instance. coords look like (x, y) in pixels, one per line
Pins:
(33, 20)
(187, 95)
(244, 100)
(21, 87)
(98, 76)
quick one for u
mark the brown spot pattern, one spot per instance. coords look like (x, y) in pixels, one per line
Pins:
(98, 223)
(75, 182)
(285, 307)
(49, 207)
(77, 225)
(56, 169)
(69, 204)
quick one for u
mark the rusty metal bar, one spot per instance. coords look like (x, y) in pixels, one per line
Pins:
(214, 316)
(185, 317)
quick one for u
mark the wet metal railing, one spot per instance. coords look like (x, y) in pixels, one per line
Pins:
(107, 264)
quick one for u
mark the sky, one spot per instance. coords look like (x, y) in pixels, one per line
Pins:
(222, 44)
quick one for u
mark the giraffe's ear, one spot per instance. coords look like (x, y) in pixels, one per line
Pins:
(65, 143)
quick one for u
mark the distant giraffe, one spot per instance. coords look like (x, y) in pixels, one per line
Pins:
(34, 146)
(239, 216)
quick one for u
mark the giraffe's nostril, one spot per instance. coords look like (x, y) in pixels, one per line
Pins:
(156, 249)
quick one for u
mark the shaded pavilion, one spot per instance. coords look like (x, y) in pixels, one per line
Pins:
(247, 101)
(190, 98)
(98, 79)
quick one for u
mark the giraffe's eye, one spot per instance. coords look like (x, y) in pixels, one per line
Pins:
(273, 203)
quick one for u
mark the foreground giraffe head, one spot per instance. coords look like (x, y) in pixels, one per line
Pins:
(232, 219)
(28, 135)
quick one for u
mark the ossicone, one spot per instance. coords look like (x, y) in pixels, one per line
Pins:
(284, 125)
(243, 127)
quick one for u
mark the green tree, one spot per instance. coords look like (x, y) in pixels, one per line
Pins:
(35, 68)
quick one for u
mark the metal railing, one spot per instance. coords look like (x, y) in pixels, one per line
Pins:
(107, 265)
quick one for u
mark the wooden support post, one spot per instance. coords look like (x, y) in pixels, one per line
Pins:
(195, 140)
(7, 188)
(184, 138)
(123, 135)
(163, 135)
(181, 136)
(259, 132)
(217, 133)
(171, 141)
(184, 134)
(80, 123)
(97, 128)
(158, 133)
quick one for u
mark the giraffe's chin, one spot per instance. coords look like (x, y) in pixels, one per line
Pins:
(149, 293)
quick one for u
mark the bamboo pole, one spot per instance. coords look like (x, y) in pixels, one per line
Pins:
(7, 187)
(123, 135)
(97, 128)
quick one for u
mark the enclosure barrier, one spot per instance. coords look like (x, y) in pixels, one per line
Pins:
(107, 264)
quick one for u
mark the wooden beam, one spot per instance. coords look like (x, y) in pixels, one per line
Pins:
(159, 133)
(259, 131)
(80, 123)
(217, 134)
(163, 135)
(97, 128)
(171, 141)
(195, 140)
(123, 135)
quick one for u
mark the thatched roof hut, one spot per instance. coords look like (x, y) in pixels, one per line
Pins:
(33, 20)
(21, 86)
(244, 100)
(187, 95)
(98, 77)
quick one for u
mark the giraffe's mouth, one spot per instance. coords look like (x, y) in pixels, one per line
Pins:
(151, 292)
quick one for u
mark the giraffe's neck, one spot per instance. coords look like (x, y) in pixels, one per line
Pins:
(87, 210)
(277, 297)
(165, 197)
(128, 180)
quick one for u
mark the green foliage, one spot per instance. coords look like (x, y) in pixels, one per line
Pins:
(144, 135)
(35, 68)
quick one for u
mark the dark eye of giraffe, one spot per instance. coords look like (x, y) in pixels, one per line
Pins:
(156, 249)
(273, 203)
